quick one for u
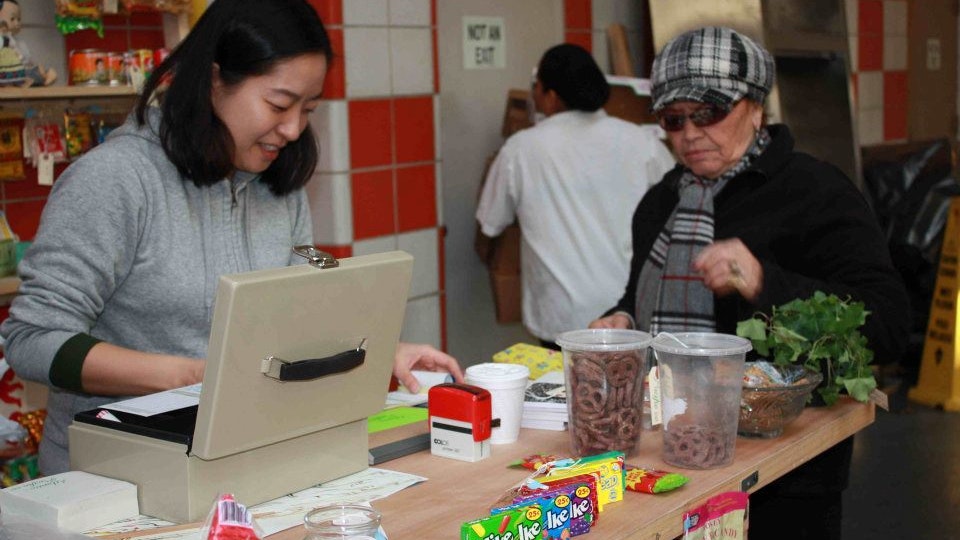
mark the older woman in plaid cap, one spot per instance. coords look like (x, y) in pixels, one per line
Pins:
(744, 223)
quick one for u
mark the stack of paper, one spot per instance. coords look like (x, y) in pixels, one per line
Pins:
(545, 403)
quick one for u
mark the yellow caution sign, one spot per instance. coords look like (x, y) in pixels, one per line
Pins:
(939, 382)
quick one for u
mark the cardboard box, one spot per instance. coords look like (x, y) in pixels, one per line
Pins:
(507, 295)
(627, 103)
(504, 255)
(501, 256)
(517, 114)
(932, 65)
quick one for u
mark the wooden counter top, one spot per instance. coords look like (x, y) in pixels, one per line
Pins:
(458, 491)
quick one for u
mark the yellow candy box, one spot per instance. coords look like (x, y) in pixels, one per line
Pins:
(609, 470)
(539, 360)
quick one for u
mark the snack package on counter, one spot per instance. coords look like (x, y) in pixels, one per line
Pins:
(75, 15)
(761, 374)
(230, 520)
(720, 517)
(651, 480)
(554, 513)
(538, 359)
(534, 461)
(582, 491)
(515, 523)
(608, 466)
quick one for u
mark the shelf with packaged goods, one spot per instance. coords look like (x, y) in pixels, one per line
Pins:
(66, 92)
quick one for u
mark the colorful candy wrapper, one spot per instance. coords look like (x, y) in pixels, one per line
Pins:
(608, 466)
(230, 520)
(75, 15)
(721, 516)
(582, 490)
(651, 480)
(555, 512)
(514, 523)
(534, 461)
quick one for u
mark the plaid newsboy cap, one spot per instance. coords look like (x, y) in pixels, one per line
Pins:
(714, 65)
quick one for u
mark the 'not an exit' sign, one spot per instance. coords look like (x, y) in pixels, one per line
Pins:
(483, 43)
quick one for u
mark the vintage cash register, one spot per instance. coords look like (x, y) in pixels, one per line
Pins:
(298, 358)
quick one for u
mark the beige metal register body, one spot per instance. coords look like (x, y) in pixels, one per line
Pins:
(255, 436)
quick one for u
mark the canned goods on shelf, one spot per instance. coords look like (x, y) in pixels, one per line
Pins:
(116, 70)
(88, 67)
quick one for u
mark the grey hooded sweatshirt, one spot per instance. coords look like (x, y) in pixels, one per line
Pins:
(129, 252)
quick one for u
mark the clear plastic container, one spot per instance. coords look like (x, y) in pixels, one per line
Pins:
(604, 370)
(700, 379)
(342, 522)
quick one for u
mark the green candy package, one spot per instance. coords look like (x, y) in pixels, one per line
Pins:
(651, 480)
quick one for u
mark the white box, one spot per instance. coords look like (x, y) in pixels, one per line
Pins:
(75, 501)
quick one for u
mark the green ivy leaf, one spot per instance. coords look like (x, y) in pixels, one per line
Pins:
(822, 332)
(830, 393)
(752, 329)
(860, 387)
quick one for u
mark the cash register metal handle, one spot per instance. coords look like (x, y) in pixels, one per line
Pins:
(316, 258)
(313, 368)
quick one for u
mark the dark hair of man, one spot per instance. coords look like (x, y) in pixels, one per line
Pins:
(571, 72)
(245, 38)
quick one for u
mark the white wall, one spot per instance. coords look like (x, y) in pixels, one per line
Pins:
(471, 108)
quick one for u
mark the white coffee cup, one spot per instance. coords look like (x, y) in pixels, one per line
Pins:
(506, 384)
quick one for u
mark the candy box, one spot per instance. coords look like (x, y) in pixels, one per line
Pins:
(555, 507)
(608, 466)
(523, 523)
(538, 359)
(582, 490)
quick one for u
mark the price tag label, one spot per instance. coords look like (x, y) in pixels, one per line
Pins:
(656, 402)
(45, 170)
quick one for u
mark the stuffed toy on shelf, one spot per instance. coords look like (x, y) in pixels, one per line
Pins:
(16, 66)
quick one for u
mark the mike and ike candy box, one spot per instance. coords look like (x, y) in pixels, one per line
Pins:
(522, 523)
(582, 492)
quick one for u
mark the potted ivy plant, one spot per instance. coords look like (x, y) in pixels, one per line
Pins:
(822, 333)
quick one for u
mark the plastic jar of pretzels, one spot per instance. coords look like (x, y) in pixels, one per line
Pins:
(604, 371)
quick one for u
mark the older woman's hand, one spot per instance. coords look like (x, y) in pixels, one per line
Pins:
(728, 266)
(616, 320)
(423, 357)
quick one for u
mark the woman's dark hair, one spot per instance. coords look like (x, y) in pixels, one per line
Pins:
(570, 71)
(245, 38)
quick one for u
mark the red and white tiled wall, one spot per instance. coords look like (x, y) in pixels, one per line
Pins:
(877, 31)
(378, 184)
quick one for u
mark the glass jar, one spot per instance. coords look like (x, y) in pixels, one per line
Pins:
(342, 522)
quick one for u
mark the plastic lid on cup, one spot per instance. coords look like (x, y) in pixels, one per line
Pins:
(700, 344)
(495, 372)
(604, 339)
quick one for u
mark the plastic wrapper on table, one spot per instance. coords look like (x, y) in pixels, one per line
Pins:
(910, 187)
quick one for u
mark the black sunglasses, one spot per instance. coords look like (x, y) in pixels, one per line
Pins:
(707, 115)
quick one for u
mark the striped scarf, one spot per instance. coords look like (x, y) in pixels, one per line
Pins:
(671, 297)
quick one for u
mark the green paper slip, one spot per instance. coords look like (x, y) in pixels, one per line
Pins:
(396, 417)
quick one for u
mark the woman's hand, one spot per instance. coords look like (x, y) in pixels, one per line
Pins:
(617, 320)
(412, 356)
(110, 370)
(728, 266)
